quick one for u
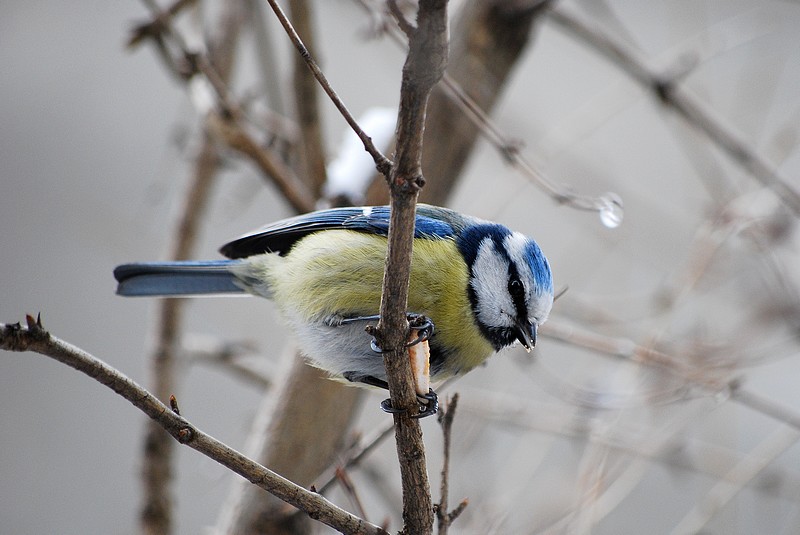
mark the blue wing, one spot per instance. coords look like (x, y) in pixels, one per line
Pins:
(431, 223)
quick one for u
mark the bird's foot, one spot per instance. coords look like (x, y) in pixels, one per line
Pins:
(423, 326)
(428, 405)
(420, 324)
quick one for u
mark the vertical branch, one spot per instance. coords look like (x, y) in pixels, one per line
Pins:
(424, 67)
(444, 517)
(306, 103)
(156, 514)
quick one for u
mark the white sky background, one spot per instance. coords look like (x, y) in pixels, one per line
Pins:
(95, 144)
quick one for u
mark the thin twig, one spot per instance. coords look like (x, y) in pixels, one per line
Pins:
(765, 406)
(153, 29)
(718, 384)
(678, 454)
(33, 337)
(195, 61)
(606, 482)
(351, 491)
(231, 131)
(382, 163)
(225, 355)
(511, 153)
(444, 517)
(734, 481)
(356, 456)
(688, 106)
(505, 145)
(229, 123)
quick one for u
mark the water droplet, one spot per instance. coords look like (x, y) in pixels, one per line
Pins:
(610, 208)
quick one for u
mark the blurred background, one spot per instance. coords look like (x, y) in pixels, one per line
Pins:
(663, 395)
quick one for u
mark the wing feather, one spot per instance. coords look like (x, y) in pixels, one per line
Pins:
(279, 237)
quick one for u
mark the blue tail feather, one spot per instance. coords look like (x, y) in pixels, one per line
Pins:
(177, 278)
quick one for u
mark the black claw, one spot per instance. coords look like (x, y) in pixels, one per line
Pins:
(423, 325)
(386, 406)
(428, 405)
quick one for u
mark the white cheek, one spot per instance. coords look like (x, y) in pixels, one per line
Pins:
(539, 304)
(515, 245)
(490, 283)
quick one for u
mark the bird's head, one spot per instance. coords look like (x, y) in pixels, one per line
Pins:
(510, 283)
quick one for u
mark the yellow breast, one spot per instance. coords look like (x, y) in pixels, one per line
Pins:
(340, 272)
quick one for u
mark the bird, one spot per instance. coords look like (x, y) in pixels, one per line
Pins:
(476, 287)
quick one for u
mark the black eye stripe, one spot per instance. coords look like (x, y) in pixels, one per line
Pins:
(517, 291)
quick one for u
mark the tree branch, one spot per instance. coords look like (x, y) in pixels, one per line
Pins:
(228, 121)
(488, 38)
(231, 131)
(671, 94)
(424, 67)
(717, 383)
(307, 104)
(34, 337)
(382, 163)
(444, 517)
(742, 473)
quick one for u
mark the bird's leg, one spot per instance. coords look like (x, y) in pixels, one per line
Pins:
(419, 357)
(336, 320)
(345, 321)
(355, 377)
(428, 402)
(428, 405)
(419, 323)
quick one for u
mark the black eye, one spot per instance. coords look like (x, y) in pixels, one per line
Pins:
(516, 289)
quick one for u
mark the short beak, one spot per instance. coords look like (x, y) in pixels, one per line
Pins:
(526, 334)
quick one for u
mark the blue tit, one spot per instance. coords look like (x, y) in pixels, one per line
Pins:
(483, 286)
